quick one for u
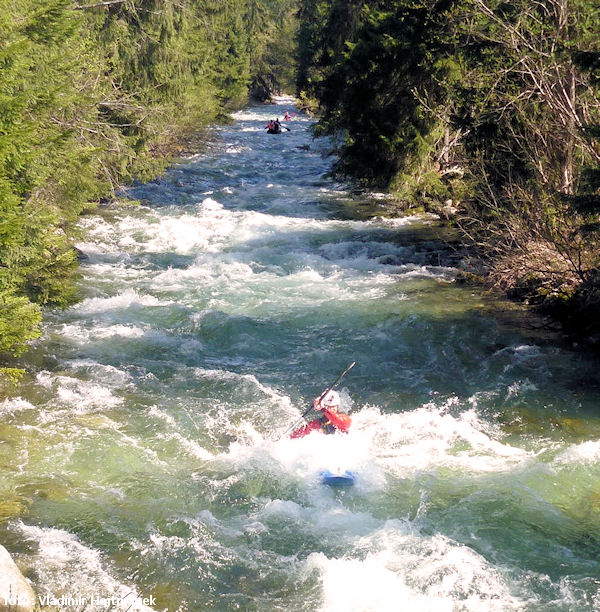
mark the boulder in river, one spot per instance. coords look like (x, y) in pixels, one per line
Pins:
(16, 593)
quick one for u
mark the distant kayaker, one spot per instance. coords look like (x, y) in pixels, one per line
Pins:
(287, 116)
(273, 127)
(331, 421)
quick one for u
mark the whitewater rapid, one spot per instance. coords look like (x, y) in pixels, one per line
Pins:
(146, 458)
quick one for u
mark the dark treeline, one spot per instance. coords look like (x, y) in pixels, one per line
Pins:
(95, 94)
(486, 109)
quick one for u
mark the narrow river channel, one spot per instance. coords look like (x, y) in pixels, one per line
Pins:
(144, 458)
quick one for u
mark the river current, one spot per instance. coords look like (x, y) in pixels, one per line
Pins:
(145, 457)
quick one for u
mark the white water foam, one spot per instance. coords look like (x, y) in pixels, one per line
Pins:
(80, 396)
(11, 406)
(238, 262)
(587, 452)
(81, 333)
(380, 448)
(122, 301)
(68, 568)
(402, 568)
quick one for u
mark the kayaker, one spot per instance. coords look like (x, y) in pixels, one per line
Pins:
(286, 117)
(331, 421)
(273, 127)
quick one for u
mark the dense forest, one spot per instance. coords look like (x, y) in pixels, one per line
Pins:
(96, 94)
(484, 111)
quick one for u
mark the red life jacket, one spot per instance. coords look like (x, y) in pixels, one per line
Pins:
(328, 423)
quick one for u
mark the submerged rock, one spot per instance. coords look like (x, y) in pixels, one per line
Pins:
(16, 593)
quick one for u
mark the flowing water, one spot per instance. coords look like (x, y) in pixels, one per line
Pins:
(146, 455)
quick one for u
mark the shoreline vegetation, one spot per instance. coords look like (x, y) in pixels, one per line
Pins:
(485, 113)
(95, 95)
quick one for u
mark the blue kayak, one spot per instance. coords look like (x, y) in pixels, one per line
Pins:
(338, 479)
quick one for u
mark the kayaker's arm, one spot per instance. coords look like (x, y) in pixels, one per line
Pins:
(339, 420)
(314, 425)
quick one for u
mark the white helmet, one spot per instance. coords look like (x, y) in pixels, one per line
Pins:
(331, 400)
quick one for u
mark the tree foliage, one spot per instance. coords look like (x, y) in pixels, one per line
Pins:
(491, 104)
(273, 48)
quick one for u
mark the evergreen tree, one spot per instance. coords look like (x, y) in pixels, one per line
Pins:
(384, 72)
(271, 30)
(92, 95)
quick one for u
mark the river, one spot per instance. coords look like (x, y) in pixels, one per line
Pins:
(145, 457)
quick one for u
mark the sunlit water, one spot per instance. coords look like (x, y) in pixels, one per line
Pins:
(146, 454)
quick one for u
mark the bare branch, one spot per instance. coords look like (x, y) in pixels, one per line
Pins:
(97, 4)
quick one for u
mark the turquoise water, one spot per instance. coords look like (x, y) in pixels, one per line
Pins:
(145, 455)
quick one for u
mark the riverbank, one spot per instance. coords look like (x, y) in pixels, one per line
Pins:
(568, 322)
(562, 301)
(571, 306)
